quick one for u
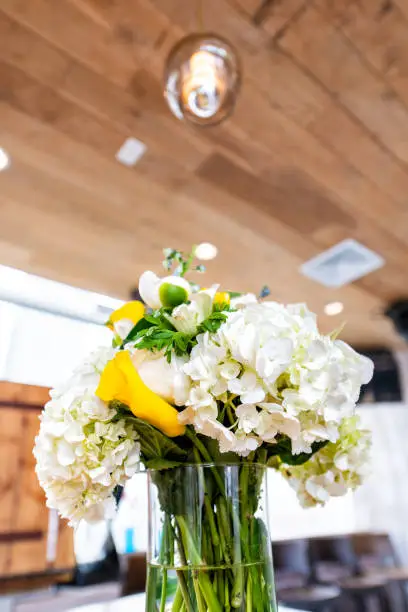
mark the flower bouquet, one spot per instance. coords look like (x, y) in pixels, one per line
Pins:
(206, 389)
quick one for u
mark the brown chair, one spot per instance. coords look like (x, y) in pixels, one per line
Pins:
(334, 562)
(293, 579)
(376, 556)
(133, 573)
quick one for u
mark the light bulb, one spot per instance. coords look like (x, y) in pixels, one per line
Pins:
(203, 86)
(206, 251)
(333, 308)
(202, 79)
(4, 160)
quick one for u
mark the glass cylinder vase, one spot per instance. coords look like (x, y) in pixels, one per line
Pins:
(209, 542)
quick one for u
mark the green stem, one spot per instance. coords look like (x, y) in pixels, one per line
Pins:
(238, 587)
(256, 548)
(197, 589)
(187, 263)
(207, 503)
(177, 601)
(262, 456)
(164, 552)
(230, 415)
(227, 604)
(180, 575)
(224, 528)
(249, 595)
(204, 581)
(206, 456)
(187, 544)
(251, 546)
(164, 591)
(151, 590)
(170, 542)
(243, 485)
(211, 520)
(221, 587)
(184, 590)
(241, 527)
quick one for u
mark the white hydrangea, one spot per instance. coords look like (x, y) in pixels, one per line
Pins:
(286, 376)
(335, 469)
(82, 453)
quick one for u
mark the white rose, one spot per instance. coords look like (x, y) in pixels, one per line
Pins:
(165, 379)
(187, 317)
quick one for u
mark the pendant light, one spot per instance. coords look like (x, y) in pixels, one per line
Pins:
(202, 79)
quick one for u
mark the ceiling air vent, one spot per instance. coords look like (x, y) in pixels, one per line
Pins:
(342, 264)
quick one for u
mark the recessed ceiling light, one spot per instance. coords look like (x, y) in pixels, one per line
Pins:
(206, 251)
(333, 308)
(4, 160)
(131, 151)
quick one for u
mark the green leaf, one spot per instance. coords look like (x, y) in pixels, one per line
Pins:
(154, 339)
(153, 319)
(181, 341)
(162, 464)
(156, 333)
(218, 316)
(274, 462)
(234, 294)
(159, 318)
(171, 341)
(155, 444)
(213, 449)
(212, 323)
(283, 450)
(140, 326)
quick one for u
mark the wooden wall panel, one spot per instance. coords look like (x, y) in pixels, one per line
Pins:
(11, 431)
(24, 518)
(27, 558)
(29, 515)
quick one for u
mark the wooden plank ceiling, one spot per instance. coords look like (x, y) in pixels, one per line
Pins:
(317, 150)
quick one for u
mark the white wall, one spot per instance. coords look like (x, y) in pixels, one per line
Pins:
(382, 502)
(42, 349)
(288, 519)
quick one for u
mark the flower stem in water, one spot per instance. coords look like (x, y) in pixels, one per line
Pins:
(178, 602)
(164, 591)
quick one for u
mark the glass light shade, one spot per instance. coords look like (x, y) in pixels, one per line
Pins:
(202, 79)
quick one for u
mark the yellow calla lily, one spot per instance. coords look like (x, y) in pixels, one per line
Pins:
(121, 381)
(133, 311)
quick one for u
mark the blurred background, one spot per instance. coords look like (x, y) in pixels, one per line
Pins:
(303, 188)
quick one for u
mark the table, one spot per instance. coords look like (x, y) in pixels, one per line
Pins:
(11, 586)
(6, 603)
(134, 603)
